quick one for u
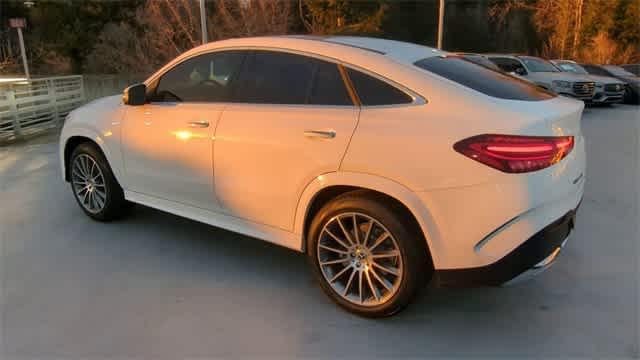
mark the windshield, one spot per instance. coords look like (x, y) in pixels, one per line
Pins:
(571, 67)
(618, 71)
(534, 64)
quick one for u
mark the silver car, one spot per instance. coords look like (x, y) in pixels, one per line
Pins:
(608, 90)
(546, 75)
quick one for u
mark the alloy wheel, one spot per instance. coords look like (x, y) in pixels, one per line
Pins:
(360, 259)
(88, 183)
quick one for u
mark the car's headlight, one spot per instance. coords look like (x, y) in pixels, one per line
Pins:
(561, 84)
(599, 86)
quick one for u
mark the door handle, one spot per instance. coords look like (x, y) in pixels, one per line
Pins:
(327, 134)
(198, 124)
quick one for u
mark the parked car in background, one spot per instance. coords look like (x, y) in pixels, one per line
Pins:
(632, 68)
(632, 91)
(609, 90)
(546, 75)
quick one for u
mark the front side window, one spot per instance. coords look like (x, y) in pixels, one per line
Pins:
(538, 65)
(373, 92)
(204, 78)
(271, 77)
(482, 79)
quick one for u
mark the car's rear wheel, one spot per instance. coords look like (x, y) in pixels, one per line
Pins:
(94, 187)
(366, 257)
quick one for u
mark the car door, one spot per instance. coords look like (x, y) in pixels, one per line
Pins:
(168, 142)
(291, 121)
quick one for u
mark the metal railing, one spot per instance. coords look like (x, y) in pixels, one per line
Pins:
(34, 105)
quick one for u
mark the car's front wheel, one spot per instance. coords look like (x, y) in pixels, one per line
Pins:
(366, 257)
(94, 187)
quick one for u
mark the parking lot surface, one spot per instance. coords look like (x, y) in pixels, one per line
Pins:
(158, 286)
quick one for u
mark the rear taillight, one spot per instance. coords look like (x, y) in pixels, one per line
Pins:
(516, 154)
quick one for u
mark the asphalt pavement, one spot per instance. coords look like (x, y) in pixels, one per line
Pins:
(157, 286)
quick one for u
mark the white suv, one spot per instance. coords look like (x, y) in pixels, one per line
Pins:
(388, 163)
(546, 75)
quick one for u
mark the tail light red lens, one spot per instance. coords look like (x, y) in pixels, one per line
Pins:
(516, 154)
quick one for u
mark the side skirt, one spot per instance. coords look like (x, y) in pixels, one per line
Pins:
(227, 222)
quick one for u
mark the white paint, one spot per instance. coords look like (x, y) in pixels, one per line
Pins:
(264, 171)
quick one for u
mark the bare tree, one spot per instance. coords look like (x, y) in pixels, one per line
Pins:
(559, 20)
(165, 28)
(562, 24)
(341, 16)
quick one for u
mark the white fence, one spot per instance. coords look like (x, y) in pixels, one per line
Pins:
(37, 104)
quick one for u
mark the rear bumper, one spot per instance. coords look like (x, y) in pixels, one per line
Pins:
(531, 257)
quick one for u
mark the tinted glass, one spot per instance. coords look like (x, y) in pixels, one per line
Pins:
(596, 70)
(571, 67)
(632, 68)
(372, 91)
(275, 78)
(271, 77)
(508, 65)
(481, 60)
(534, 64)
(205, 78)
(618, 71)
(483, 79)
(328, 87)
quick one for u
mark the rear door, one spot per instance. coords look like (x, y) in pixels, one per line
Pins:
(291, 121)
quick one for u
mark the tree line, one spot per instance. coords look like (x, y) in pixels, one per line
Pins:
(136, 36)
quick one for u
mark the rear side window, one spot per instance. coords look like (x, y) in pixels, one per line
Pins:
(482, 79)
(372, 91)
(275, 78)
(281, 78)
(328, 88)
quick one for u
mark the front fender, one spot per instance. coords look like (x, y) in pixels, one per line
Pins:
(108, 146)
(367, 181)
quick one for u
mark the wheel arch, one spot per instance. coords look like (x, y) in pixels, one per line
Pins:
(327, 186)
(76, 137)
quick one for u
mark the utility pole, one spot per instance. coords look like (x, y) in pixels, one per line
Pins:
(203, 22)
(19, 24)
(440, 23)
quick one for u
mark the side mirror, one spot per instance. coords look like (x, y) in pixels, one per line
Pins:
(521, 71)
(135, 95)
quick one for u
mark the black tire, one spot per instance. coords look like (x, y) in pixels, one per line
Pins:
(631, 97)
(115, 206)
(413, 250)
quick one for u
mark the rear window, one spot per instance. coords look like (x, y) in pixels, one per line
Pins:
(489, 82)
